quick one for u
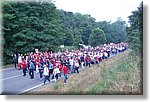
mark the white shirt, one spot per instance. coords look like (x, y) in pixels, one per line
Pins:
(71, 61)
(105, 54)
(19, 59)
(26, 59)
(56, 70)
(46, 71)
(76, 64)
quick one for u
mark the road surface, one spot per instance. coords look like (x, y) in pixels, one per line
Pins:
(14, 82)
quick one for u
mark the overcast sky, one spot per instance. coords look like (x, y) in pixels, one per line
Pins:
(108, 10)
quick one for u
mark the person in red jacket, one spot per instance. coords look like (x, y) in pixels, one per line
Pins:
(65, 69)
(24, 66)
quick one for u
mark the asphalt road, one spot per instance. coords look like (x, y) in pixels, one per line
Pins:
(14, 82)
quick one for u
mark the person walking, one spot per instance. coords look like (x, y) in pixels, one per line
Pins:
(40, 68)
(71, 61)
(37, 61)
(15, 60)
(88, 60)
(51, 68)
(105, 55)
(65, 70)
(76, 67)
(31, 70)
(19, 61)
(56, 73)
(24, 66)
(82, 61)
(60, 69)
(46, 74)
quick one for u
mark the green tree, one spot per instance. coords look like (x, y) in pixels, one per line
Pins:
(30, 25)
(75, 23)
(69, 38)
(77, 38)
(97, 37)
(118, 29)
(135, 31)
(115, 32)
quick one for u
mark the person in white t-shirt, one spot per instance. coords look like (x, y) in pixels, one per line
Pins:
(46, 74)
(71, 61)
(76, 67)
(19, 61)
(56, 73)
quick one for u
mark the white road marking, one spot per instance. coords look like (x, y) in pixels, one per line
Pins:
(10, 77)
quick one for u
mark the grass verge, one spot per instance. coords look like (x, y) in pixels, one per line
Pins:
(122, 78)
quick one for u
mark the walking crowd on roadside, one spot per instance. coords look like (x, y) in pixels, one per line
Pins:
(53, 65)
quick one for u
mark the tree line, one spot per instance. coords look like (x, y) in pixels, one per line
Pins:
(135, 31)
(30, 25)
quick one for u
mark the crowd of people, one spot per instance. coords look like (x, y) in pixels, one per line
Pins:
(53, 65)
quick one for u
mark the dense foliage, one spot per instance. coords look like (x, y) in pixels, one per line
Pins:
(135, 31)
(97, 37)
(30, 25)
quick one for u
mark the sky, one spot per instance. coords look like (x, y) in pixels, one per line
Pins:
(101, 10)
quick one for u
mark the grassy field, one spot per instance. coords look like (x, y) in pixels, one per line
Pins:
(118, 75)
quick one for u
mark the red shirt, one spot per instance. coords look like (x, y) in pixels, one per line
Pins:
(87, 59)
(65, 70)
(97, 58)
(60, 67)
(76, 59)
(37, 61)
(24, 64)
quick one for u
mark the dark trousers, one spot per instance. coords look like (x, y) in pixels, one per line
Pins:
(76, 70)
(40, 72)
(15, 64)
(46, 77)
(31, 73)
(50, 73)
(24, 71)
(56, 76)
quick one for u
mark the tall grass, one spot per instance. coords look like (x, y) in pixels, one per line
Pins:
(122, 78)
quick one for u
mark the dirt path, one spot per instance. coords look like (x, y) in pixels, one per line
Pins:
(80, 83)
